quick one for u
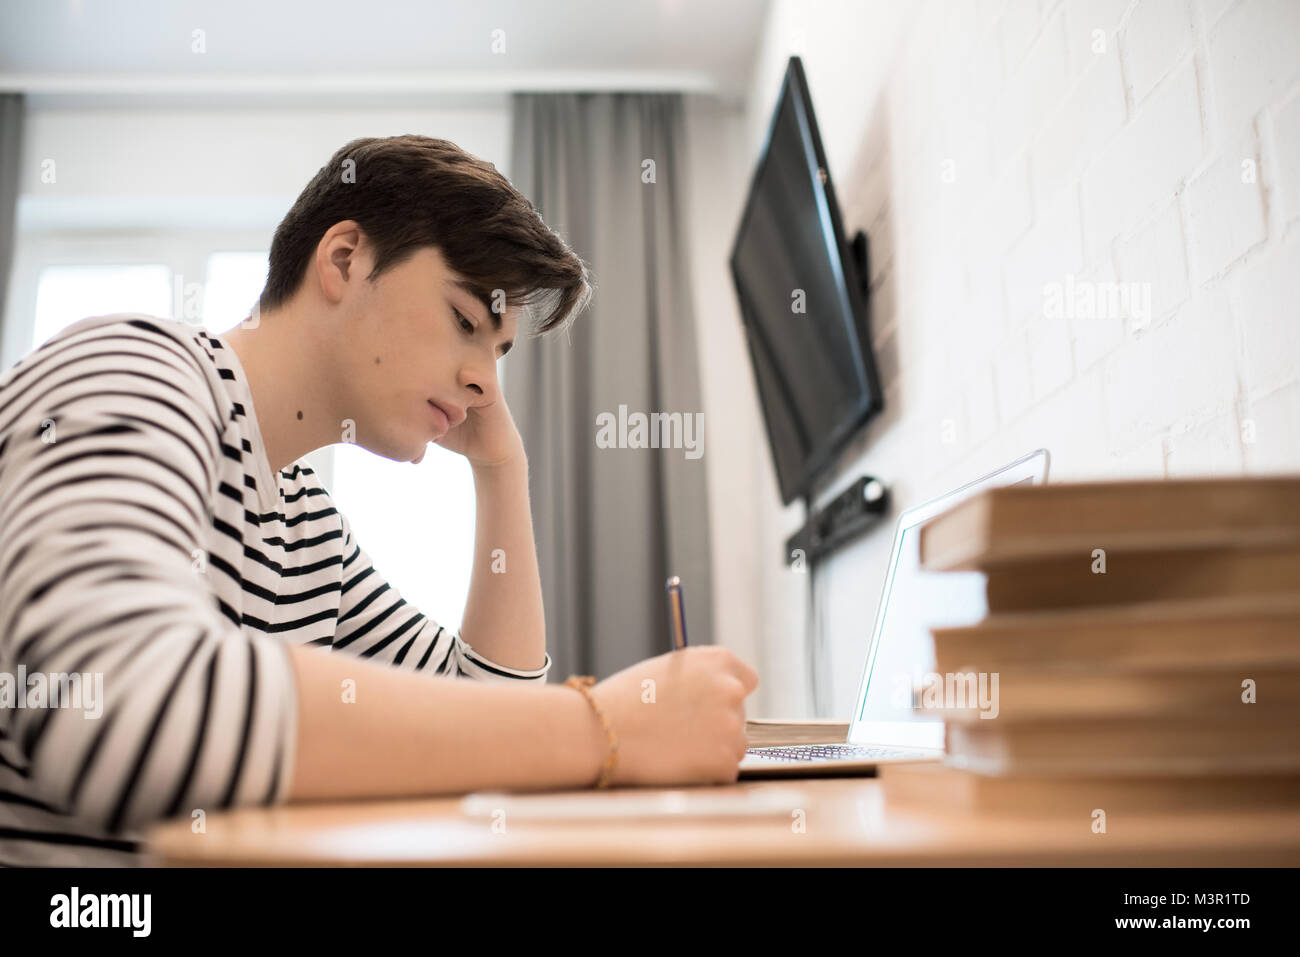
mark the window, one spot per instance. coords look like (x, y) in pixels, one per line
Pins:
(415, 521)
(233, 282)
(65, 294)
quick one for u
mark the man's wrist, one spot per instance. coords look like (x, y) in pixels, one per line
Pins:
(594, 734)
(588, 743)
(510, 466)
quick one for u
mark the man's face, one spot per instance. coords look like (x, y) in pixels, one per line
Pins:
(413, 336)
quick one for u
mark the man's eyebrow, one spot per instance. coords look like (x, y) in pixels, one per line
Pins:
(493, 315)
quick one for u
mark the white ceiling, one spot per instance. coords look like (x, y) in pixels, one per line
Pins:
(70, 51)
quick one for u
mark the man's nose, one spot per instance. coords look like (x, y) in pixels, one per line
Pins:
(482, 383)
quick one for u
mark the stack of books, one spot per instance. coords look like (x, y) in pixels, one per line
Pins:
(1141, 649)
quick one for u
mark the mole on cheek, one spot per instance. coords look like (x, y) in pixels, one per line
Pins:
(376, 360)
(300, 415)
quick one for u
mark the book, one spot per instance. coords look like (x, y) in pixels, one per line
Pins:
(944, 788)
(1114, 577)
(1209, 632)
(776, 732)
(1021, 524)
(1150, 746)
(1103, 691)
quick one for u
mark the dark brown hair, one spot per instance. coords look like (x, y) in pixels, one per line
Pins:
(407, 192)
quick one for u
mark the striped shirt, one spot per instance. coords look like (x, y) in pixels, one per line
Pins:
(147, 547)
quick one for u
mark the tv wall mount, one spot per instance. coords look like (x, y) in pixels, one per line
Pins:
(849, 514)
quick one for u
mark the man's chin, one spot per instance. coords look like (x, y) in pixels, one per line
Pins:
(420, 458)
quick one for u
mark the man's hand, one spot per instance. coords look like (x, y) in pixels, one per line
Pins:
(488, 437)
(694, 730)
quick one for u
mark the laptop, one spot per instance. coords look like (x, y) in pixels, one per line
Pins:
(886, 727)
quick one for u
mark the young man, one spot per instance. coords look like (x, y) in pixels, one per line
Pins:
(168, 562)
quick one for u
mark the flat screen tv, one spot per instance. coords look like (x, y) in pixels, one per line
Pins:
(802, 293)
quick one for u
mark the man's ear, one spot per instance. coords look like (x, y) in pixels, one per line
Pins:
(336, 258)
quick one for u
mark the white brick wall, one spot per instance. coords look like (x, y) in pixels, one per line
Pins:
(1145, 164)
(1286, 155)
(1107, 142)
(1157, 36)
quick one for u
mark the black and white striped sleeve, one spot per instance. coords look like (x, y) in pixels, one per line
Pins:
(105, 494)
(376, 622)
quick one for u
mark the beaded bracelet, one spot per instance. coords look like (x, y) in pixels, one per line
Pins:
(582, 683)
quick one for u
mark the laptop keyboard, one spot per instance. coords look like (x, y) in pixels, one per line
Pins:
(832, 752)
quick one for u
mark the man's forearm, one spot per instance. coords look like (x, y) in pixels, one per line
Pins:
(399, 733)
(504, 618)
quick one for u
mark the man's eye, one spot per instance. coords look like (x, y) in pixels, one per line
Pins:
(464, 323)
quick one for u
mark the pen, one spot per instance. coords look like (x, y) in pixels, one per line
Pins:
(676, 612)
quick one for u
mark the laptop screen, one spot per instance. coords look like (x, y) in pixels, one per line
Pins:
(913, 602)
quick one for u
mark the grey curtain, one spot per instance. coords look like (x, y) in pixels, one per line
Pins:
(11, 145)
(611, 523)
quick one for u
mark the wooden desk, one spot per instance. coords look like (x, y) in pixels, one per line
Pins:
(848, 823)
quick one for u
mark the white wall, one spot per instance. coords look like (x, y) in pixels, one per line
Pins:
(189, 168)
(196, 172)
(737, 478)
(989, 150)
